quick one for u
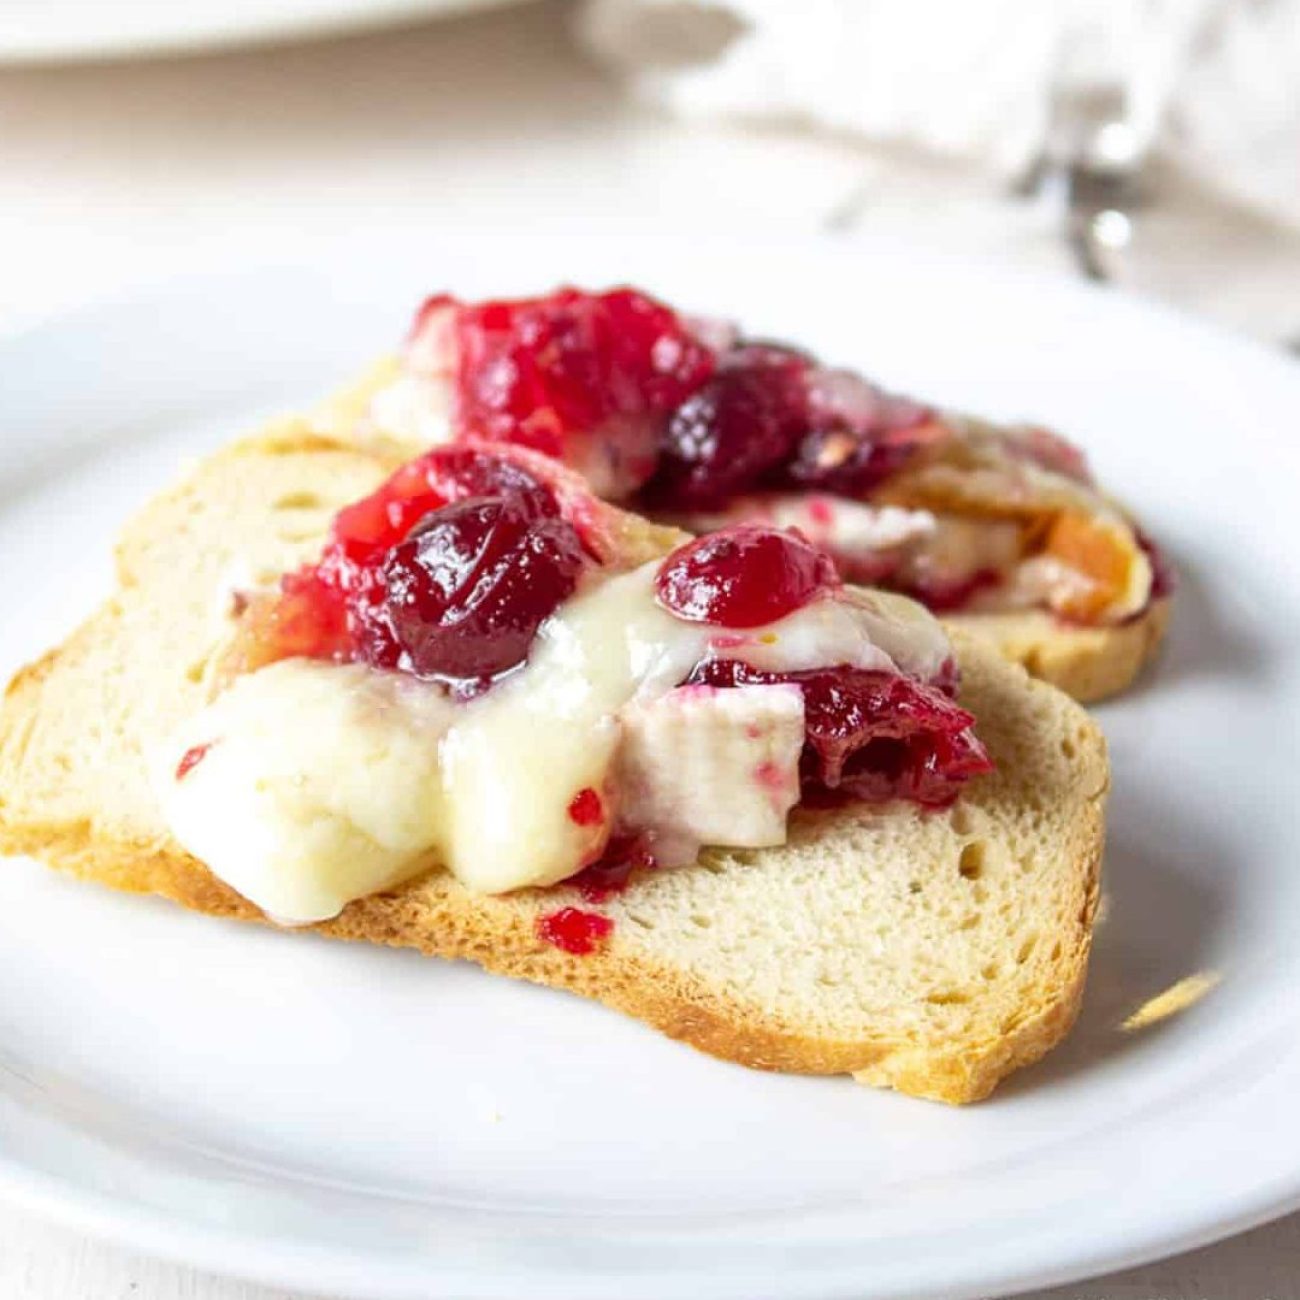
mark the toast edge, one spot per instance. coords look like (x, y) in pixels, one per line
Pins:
(1087, 663)
(445, 921)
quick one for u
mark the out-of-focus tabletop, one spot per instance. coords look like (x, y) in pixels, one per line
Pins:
(116, 173)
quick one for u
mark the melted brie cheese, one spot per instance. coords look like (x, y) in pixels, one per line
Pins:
(322, 782)
(847, 528)
(316, 783)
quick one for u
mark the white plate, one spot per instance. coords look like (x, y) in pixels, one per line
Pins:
(45, 31)
(368, 1122)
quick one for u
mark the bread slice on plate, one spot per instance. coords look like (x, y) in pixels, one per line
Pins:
(931, 952)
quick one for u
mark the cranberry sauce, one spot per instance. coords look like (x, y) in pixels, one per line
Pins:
(745, 422)
(625, 853)
(744, 576)
(445, 571)
(680, 417)
(868, 734)
(725, 414)
(468, 589)
(537, 371)
(574, 931)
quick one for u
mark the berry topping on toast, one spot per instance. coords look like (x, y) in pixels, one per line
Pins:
(465, 593)
(695, 424)
(565, 374)
(744, 577)
(574, 931)
(589, 695)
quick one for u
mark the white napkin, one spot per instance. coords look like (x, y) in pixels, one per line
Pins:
(1213, 85)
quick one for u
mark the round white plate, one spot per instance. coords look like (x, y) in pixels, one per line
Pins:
(370, 1123)
(47, 31)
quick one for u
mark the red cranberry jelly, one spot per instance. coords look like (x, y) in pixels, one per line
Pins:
(191, 758)
(535, 370)
(744, 576)
(856, 435)
(682, 417)
(871, 735)
(586, 808)
(573, 930)
(743, 423)
(609, 875)
(700, 419)
(427, 483)
(445, 571)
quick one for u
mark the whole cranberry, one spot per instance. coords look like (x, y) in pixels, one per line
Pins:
(745, 421)
(468, 589)
(444, 474)
(457, 472)
(857, 435)
(744, 576)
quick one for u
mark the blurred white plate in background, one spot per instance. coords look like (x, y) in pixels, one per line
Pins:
(367, 1122)
(53, 31)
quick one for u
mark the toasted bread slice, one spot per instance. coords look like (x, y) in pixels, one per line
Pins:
(1089, 663)
(932, 952)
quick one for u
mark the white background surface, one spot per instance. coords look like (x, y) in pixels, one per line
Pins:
(38, 1262)
(113, 174)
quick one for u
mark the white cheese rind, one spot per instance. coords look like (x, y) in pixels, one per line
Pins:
(704, 765)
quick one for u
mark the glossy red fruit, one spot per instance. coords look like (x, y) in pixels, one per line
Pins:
(586, 808)
(857, 435)
(340, 607)
(873, 736)
(740, 425)
(441, 476)
(744, 576)
(466, 592)
(572, 930)
(310, 618)
(535, 370)
(458, 472)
